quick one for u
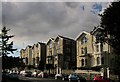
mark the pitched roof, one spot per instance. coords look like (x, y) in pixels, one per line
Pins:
(96, 29)
(83, 32)
(41, 43)
(64, 37)
(50, 39)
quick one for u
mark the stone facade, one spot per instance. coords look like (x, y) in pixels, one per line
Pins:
(61, 53)
(32, 55)
(26, 55)
(92, 55)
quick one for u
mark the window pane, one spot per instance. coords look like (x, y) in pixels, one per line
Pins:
(83, 40)
(86, 61)
(97, 48)
(102, 60)
(98, 60)
(82, 62)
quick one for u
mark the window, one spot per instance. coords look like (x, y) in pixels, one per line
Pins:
(97, 48)
(102, 60)
(83, 40)
(82, 50)
(50, 52)
(98, 60)
(33, 61)
(82, 62)
(86, 62)
(37, 60)
(50, 59)
(37, 45)
(85, 50)
(98, 36)
(56, 57)
(50, 45)
(26, 60)
(58, 43)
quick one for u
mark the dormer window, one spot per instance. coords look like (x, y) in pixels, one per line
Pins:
(50, 45)
(83, 40)
(58, 42)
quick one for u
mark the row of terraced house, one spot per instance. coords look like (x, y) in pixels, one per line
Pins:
(63, 53)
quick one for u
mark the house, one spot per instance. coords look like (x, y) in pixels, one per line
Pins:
(26, 55)
(61, 53)
(84, 50)
(93, 55)
(65, 55)
(50, 51)
(38, 54)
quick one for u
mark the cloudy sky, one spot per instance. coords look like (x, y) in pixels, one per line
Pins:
(33, 22)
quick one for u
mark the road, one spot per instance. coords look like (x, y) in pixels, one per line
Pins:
(33, 79)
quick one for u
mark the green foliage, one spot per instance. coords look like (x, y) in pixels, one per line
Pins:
(11, 62)
(5, 46)
(110, 22)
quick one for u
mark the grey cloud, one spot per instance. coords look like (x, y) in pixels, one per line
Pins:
(33, 22)
(49, 12)
(72, 4)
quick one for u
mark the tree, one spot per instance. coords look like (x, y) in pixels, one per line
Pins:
(110, 23)
(5, 46)
(12, 62)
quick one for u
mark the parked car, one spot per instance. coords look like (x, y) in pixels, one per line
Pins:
(13, 76)
(43, 75)
(26, 73)
(65, 77)
(58, 76)
(76, 77)
(101, 79)
(23, 73)
(73, 77)
(34, 74)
